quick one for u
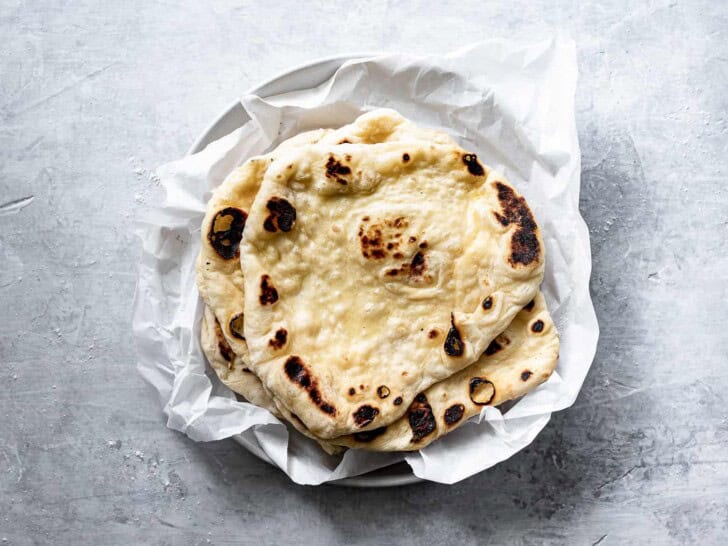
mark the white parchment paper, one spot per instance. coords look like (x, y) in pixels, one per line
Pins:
(511, 104)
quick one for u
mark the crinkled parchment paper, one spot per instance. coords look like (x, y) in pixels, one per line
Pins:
(511, 104)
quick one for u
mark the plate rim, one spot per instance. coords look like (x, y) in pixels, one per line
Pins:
(370, 479)
(200, 142)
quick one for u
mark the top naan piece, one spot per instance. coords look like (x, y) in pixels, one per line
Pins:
(219, 277)
(373, 271)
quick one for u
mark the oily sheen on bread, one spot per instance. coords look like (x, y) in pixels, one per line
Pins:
(374, 271)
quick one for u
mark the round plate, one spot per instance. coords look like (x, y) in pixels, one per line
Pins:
(302, 77)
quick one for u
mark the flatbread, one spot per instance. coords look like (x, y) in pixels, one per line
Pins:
(230, 367)
(231, 370)
(219, 277)
(374, 271)
(516, 362)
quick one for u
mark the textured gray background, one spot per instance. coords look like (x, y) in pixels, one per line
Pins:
(93, 95)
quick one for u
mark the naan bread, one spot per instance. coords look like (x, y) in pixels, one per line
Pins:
(219, 277)
(231, 370)
(230, 367)
(515, 362)
(374, 271)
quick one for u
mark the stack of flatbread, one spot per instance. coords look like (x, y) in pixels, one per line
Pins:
(374, 286)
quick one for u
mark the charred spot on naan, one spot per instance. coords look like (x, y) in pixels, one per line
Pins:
(453, 414)
(481, 390)
(279, 338)
(488, 303)
(418, 265)
(454, 345)
(420, 417)
(297, 372)
(370, 239)
(398, 401)
(529, 306)
(380, 238)
(493, 348)
(226, 351)
(369, 435)
(405, 157)
(474, 167)
(222, 345)
(282, 215)
(335, 170)
(526, 374)
(383, 391)
(537, 327)
(525, 247)
(226, 231)
(268, 292)
(414, 271)
(365, 414)
(236, 326)
(496, 345)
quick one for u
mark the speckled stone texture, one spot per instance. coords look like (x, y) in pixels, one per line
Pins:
(93, 95)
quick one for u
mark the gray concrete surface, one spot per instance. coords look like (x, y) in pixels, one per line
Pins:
(93, 95)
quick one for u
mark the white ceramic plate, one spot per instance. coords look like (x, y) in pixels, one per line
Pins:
(302, 77)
